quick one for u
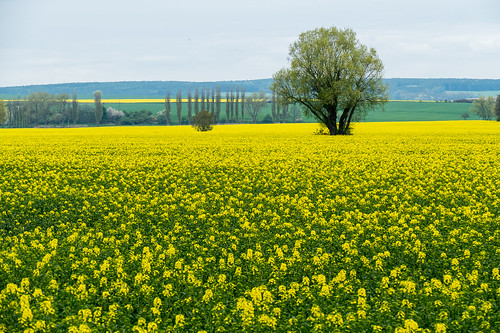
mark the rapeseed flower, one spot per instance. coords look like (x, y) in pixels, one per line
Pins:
(252, 227)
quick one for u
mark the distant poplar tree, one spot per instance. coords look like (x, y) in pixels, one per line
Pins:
(217, 104)
(228, 109)
(98, 107)
(196, 102)
(167, 107)
(231, 104)
(190, 107)
(207, 98)
(212, 104)
(203, 99)
(178, 101)
(237, 103)
(242, 104)
(74, 108)
(209, 101)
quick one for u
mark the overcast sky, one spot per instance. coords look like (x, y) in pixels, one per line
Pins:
(59, 41)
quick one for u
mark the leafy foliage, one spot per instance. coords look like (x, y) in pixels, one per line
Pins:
(483, 107)
(203, 121)
(113, 115)
(142, 117)
(333, 77)
(255, 103)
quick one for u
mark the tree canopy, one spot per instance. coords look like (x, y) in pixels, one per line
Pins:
(483, 107)
(203, 121)
(333, 76)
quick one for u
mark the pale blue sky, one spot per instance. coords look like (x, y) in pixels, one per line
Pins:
(57, 41)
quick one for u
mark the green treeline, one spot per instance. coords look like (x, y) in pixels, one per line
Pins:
(132, 89)
(43, 109)
(441, 89)
(399, 88)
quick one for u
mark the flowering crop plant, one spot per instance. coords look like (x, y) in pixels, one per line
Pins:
(251, 228)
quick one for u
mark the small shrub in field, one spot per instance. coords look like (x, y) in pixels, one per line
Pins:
(203, 121)
(268, 119)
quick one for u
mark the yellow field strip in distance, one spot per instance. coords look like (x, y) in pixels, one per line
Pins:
(145, 100)
(184, 100)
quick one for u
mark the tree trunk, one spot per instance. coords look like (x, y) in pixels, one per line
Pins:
(343, 121)
(351, 112)
(331, 120)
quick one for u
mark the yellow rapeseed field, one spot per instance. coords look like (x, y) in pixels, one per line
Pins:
(251, 228)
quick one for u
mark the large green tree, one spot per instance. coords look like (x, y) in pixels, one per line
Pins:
(333, 76)
(483, 107)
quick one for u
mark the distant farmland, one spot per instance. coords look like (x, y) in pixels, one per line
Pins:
(393, 111)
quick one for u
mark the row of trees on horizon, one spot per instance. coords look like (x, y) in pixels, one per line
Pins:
(43, 109)
(237, 108)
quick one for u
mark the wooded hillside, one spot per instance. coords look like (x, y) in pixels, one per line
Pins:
(399, 88)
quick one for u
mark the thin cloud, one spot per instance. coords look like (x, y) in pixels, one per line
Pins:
(55, 41)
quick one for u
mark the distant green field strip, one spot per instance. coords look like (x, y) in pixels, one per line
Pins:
(393, 111)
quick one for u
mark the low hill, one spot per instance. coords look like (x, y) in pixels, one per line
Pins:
(133, 89)
(400, 88)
